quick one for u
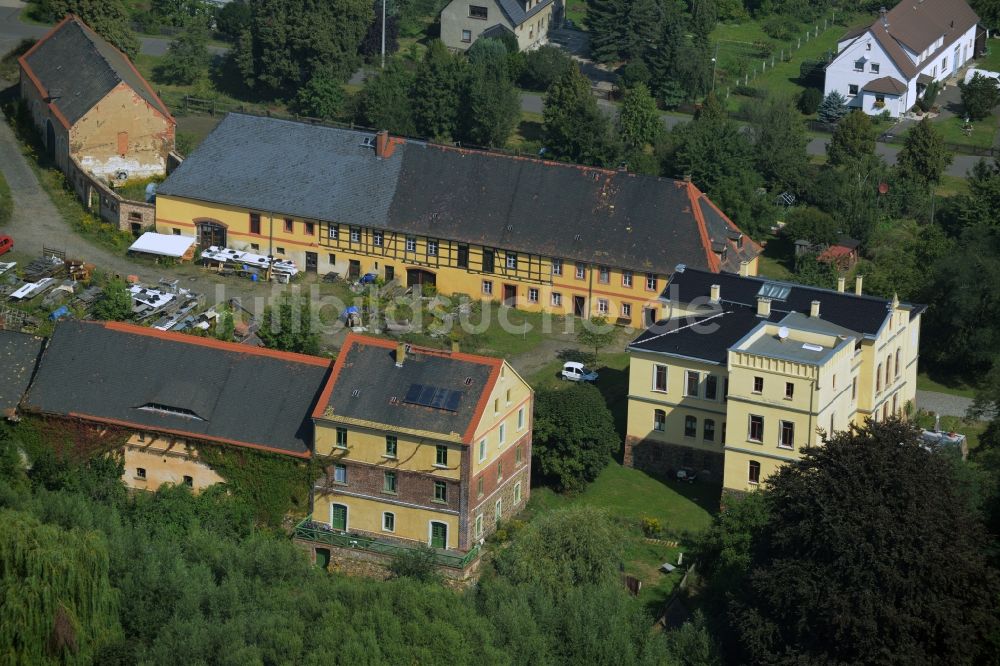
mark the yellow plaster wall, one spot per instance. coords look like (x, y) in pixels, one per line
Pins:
(501, 409)
(94, 138)
(367, 445)
(644, 400)
(165, 461)
(366, 515)
(532, 272)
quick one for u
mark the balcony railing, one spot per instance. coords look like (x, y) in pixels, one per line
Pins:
(320, 533)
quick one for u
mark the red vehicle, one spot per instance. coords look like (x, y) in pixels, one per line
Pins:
(6, 244)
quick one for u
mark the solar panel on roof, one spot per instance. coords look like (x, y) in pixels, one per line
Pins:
(433, 396)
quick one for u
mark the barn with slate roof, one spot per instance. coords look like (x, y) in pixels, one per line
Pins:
(91, 104)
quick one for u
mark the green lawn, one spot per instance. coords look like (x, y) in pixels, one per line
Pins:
(783, 78)
(630, 495)
(576, 11)
(777, 259)
(612, 368)
(6, 202)
(951, 186)
(527, 138)
(991, 61)
(950, 385)
(981, 136)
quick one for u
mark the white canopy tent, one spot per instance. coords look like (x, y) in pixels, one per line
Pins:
(164, 245)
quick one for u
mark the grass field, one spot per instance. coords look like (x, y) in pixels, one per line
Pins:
(948, 385)
(576, 11)
(6, 202)
(527, 137)
(982, 134)
(777, 259)
(951, 186)
(630, 495)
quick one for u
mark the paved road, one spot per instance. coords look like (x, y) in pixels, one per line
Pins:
(944, 404)
(13, 30)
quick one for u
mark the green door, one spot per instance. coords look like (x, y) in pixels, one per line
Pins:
(439, 535)
(338, 517)
(323, 558)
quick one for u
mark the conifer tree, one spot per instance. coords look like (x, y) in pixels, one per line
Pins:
(575, 128)
(437, 92)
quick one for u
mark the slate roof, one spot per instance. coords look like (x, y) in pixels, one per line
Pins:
(862, 314)
(366, 385)
(18, 356)
(514, 10)
(578, 213)
(180, 384)
(886, 85)
(75, 62)
(705, 337)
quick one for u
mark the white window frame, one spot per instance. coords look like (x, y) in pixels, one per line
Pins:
(497, 511)
(781, 433)
(517, 493)
(557, 266)
(502, 434)
(602, 306)
(333, 231)
(556, 299)
(532, 294)
(666, 377)
(338, 467)
(651, 282)
(750, 418)
(377, 238)
(393, 528)
(627, 310)
(482, 449)
(432, 248)
(411, 244)
(488, 287)
(626, 278)
(355, 234)
(581, 271)
(520, 419)
(688, 374)
(511, 260)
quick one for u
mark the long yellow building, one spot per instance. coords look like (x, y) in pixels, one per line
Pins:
(534, 234)
(426, 446)
(744, 372)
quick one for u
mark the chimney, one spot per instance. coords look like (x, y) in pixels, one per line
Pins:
(841, 284)
(400, 354)
(814, 309)
(858, 281)
(715, 293)
(687, 178)
(885, 19)
(455, 347)
(744, 269)
(382, 147)
(763, 306)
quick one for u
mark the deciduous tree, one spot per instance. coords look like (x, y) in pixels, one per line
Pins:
(437, 92)
(871, 519)
(853, 139)
(115, 303)
(493, 105)
(321, 97)
(289, 40)
(108, 18)
(574, 435)
(575, 128)
(923, 157)
(385, 102)
(979, 96)
(779, 140)
(186, 60)
(639, 122)
(288, 326)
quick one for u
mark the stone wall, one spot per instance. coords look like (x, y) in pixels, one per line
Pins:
(664, 459)
(355, 562)
(98, 198)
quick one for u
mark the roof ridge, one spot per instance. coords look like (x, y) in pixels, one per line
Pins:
(212, 343)
(680, 328)
(794, 285)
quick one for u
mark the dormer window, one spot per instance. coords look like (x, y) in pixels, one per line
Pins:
(158, 408)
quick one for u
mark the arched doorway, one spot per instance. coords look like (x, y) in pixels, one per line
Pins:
(210, 233)
(50, 139)
(417, 277)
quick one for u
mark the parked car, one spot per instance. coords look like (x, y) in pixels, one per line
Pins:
(576, 372)
(6, 244)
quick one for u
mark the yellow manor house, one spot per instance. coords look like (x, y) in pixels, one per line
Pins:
(744, 372)
(534, 234)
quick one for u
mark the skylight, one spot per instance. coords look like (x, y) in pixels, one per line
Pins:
(168, 409)
(774, 291)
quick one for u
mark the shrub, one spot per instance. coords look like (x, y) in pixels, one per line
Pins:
(651, 527)
(416, 563)
(750, 91)
(544, 65)
(809, 100)
(780, 28)
(633, 73)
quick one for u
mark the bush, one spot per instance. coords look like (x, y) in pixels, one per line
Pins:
(809, 100)
(750, 91)
(651, 527)
(780, 28)
(633, 73)
(543, 66)
(416, 563)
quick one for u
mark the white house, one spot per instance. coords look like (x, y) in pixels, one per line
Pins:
(888, 65)
(463, 22)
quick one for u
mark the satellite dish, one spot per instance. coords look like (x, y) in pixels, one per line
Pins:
(783, 333)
